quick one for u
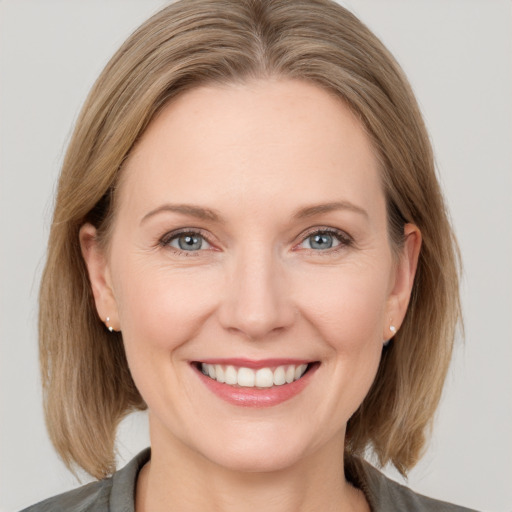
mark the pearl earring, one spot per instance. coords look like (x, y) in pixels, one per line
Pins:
(392, 328)
(109, 327)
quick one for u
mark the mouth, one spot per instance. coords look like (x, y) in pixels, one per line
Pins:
(265, 377)
(255, 383)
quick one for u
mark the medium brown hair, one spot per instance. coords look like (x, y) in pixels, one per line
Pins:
(88, 388)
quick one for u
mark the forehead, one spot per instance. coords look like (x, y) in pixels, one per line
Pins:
(265, 138)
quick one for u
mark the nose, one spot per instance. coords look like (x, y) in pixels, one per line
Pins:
(256, 302)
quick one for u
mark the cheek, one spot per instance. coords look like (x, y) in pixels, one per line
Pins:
(347, 307)
(160, 309)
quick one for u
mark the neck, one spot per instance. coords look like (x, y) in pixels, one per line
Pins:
(177, 478)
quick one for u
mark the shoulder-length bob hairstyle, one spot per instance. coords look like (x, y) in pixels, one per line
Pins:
(88, 388)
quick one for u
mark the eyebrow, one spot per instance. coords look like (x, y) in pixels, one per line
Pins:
(185, 209)
(311, 211)
(211, 215)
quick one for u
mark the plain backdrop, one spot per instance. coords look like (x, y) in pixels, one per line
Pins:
(458, 56)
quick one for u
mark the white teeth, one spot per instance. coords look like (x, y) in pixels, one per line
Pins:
(219, 373)
(300, 370)
(264, 378)
(230, 375)
(248, 378)
(279, 376)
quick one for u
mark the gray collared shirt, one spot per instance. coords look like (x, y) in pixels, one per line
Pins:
(117, 493)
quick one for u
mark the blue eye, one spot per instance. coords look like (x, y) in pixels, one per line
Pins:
(324, 240)
(188, 242)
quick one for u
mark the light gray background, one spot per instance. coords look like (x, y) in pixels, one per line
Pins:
(457, 54)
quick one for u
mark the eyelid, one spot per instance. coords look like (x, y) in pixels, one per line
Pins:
(342, 236)
(165, 240)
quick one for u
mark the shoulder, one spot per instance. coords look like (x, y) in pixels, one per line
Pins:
(88, 498)
(112, 494)
(386, 495)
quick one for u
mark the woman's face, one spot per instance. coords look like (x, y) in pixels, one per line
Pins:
(251, 239)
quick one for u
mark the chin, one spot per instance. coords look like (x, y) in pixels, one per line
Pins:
(257, 461)
(258, 450)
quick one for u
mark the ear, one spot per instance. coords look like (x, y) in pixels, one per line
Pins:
(403, 281)
(99, 276)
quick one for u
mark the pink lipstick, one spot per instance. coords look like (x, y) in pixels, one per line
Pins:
(255, 383)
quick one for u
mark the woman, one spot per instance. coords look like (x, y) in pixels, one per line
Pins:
(250, 242)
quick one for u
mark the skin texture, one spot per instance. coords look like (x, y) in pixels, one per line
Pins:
(255, 154)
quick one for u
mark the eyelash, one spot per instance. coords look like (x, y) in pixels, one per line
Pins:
(343, 238)
(165, 240)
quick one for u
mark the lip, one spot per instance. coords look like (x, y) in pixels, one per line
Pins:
(256, 397)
